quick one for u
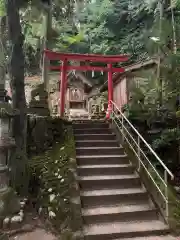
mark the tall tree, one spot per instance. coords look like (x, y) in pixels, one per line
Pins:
(47, 26)
(2, 48)
(16, 71)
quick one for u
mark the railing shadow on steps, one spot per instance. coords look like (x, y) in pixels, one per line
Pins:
(145, 159)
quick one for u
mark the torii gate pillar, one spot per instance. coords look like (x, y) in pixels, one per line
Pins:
(110, 90)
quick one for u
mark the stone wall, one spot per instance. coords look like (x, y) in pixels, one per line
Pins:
(42, 132)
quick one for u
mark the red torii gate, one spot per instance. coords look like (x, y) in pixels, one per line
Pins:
(64, 68)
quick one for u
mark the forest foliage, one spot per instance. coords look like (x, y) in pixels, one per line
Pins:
(141, 28)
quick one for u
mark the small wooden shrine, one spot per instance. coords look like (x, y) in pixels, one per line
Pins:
(77, 90)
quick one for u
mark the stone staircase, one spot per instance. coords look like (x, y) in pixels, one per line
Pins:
(115, 204)
(78, 114)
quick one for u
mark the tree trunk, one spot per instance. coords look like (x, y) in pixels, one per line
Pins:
(4, 181)
(16, 71)
(159, 78)
(47, 22)
(174, 29)
(2, 56)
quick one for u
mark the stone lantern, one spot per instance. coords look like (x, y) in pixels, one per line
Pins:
(39, 102)
(6, 145)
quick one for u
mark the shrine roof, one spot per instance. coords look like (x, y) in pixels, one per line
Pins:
(82, 77)
(128, 69)
(135, 67)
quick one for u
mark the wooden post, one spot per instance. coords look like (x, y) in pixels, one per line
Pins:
(110, 91)
(63, 87)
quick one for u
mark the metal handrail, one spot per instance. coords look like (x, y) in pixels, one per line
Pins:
(141, 137)
(139, 153)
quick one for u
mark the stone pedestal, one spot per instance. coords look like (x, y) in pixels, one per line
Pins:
(6, 145)
(103, 110)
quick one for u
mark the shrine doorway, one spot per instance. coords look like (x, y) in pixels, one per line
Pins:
(76, 105)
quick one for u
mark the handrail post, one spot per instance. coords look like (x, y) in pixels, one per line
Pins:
(122, 129)
(139, 153)
(166, 194)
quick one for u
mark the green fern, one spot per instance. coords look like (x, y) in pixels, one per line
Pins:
(2, 8)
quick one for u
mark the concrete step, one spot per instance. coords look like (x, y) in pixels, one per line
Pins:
(113, 196)
(120, 212)
(115, 205)
(104, 136)
(108, 181)
(114, 230)
(89, 170)
(90, 124)
(81, 118)
(92, 131)
(102, 159)
(99, 151)
(97, 143)
(161, 237)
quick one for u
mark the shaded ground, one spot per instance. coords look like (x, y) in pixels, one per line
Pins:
(36, 234)
(33, 228)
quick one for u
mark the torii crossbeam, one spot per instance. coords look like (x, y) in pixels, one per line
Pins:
(64, 68)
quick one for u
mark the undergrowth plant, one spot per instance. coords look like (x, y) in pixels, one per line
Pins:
(51, 185)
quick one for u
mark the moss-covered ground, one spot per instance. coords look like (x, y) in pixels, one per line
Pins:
(54, 190)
